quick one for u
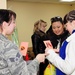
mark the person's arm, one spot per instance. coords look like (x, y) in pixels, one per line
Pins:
(33, 67)
(40, 58)
(68, 64)
(15, 63)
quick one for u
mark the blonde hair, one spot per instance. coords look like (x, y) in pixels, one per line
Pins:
(37, 25)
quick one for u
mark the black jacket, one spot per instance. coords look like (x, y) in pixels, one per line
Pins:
(37, 42)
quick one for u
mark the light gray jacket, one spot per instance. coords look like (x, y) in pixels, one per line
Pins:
(11, 61)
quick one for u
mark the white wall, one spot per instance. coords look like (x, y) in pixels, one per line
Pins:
(3, 4)
(28, 13)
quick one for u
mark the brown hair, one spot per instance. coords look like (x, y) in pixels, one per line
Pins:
(6, 15)
(71, 16)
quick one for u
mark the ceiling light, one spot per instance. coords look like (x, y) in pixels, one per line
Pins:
(67, 0)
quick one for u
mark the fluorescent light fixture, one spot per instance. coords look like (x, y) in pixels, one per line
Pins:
(67, 0)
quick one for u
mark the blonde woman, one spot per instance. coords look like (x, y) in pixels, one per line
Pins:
(37, 41)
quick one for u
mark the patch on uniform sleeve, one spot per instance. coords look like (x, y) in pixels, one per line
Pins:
(15, 58)
(11, 59)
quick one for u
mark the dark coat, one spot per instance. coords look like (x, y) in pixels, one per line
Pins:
(37, 42)
(54, 38)
(38, 47)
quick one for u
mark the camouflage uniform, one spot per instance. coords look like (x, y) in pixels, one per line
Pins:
(11, 61)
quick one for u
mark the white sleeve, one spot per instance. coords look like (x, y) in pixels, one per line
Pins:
(68, 65)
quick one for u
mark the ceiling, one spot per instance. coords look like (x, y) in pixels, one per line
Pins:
(46, 1)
